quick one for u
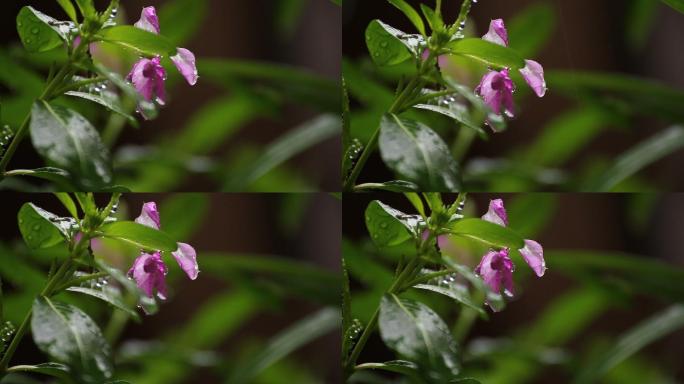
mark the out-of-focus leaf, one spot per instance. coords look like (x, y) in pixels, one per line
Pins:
(18, 78)
(457, 292)
(288, 13)
(418, 154)
(639, 21)
(629, 163)
(530, 213)
(531, 28)
(406, 368)
(388, 226)
(456, 111)
(346, 298)
(87, 8)
(675, 4)
(568, 133)
(414, 331)
(184, 213)
(139, 235)
(292, 143)
(411, 13)
(388, 45)
(57, 370)
(364, 268)
(106, 297)
(488, 233)
(650, 330)
(391, 186)
(487, 52)
(630, 94)
(365, 88)
(181, 19)
(292, 338)
(140, 40)
(434, 20)
(43, 229)
(68, 140)
(68, 335)
(40, 32)
(68, 203)
(60, 177)
(295, 84)
(69, 9)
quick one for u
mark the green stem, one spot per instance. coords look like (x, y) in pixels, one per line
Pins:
(463, 14)
(397, 106)
(398, 285)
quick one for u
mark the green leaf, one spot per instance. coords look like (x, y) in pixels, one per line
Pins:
(346, 299)
(140, 236)
(391, 186)
(434, 20)
(58, 176)
(488, 233)
(457, 292)
(42, 229)
(108, 100)
(648, 331)
(68, 140)
(40, 32)
(69, 9)
(388, 226)
(287, 341)
(184, 213)
(285, 147)
(70, 336)
(675, 4)
(489, 53)
(142, 41)
(388, 45)
(107, 297)
(411, 13)
(87, 8)
(182, 18)
(414, 331)
(629, 163)
(418, 154)
(456, 111)
(57, 370)
(406, 368)
(68, 203)
(531, 28)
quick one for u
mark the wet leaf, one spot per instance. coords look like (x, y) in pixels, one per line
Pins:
(488, 233)
(389, 46)
(106, 296)
(388, 226)
(140, 236)
(42, 229)
(489, 53)
(40, 32)
(142, 41)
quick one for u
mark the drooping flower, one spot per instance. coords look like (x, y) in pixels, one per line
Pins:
(532, 252)
(149, 273)
(147, 75)
(496, 90)
(501, 90)
(496, 269)
(149, 270)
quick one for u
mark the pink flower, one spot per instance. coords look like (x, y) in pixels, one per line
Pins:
(149, 270)
(147, 75)
(496, 269)
(496, 88)
(149, 273)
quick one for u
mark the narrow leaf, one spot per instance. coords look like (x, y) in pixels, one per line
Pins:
(140, 236)
(145, 42)
(675, 4)
(68, 203)
(489, 53)
(57, 370)
(108, 100)
(488, 233)
(106, 297)
(455, 291)
(411, 13)
(69, 9)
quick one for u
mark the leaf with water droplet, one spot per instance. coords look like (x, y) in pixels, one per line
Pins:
(388, 226)
(42, 229)
(109, 295)
(40, 32)
(389, 46)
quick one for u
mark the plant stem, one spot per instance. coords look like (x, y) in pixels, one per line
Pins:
(397, 106)
(397, 286)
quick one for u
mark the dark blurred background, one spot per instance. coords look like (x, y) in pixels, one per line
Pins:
(302, 228)
(646, 225)
(589, 35)
(236, 30)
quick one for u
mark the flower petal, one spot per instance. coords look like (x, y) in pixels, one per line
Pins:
(533, 253)
(496, 269)
(497, 33)
(533, 73)
(148, 20)
(187, 259)
(149, 273)
(496, 213)
(496, 90)
(149, 216)
(185, 63)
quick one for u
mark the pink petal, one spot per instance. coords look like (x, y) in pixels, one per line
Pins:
(496, 213)
(534, 257)
(148, 20)
(533, 73)
(496, 269)
(149, 216)
(185, 63)
(149, 273)
(497, 33)
(496, 90)
(187, 260)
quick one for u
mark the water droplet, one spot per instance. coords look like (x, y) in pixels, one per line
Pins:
(36, 227)
(34, 31)
(383, 225)
(28, 41)
(383, 44)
